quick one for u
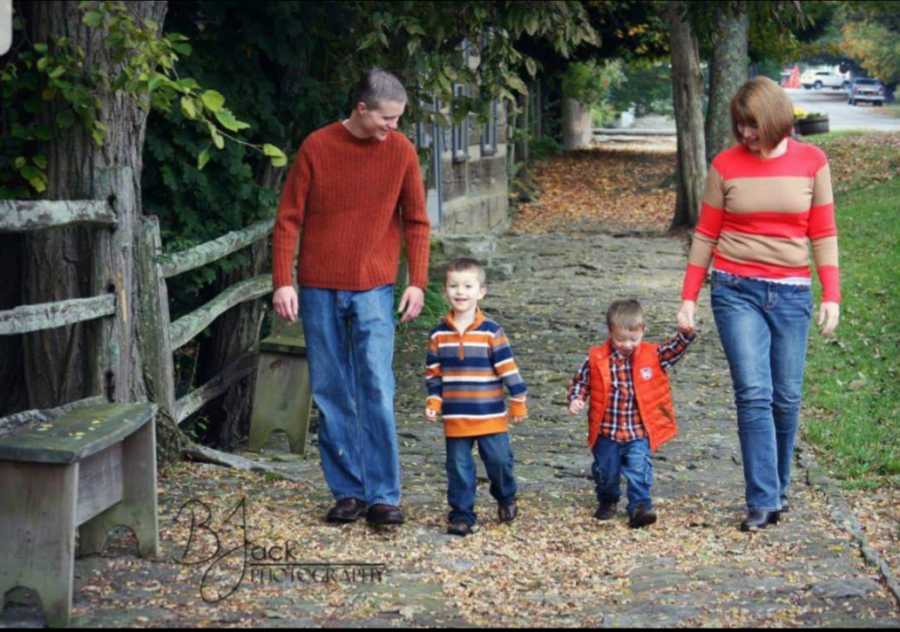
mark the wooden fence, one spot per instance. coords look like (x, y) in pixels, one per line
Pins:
(158, 337)
(153, 270)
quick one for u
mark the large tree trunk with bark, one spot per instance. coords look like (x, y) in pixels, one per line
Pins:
(232, 334)
(576, 124)
(727, 72)
(61, 365)
(12, 395)
(687, 97)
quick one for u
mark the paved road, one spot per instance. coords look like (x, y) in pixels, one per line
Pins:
(840, 115)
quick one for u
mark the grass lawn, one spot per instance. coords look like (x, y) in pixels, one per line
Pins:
(852, 390)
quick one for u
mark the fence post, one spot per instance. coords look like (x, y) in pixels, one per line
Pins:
(153, 333)
(113, 367)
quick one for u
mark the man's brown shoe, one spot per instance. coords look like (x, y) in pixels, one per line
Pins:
(380, 514)
(508, 512)
(346, 510)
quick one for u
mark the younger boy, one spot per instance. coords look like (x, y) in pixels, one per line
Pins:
(469, 361)
(631, 412)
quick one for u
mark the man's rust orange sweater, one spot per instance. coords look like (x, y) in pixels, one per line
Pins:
(348, 200)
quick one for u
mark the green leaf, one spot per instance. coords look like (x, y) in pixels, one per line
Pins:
(186, 85)
(59, 71)
(182, 49)
(40, 161)
(19, 162)
(203, 158)
(93, 19)
(40, 47)
(277, 156)
(187, 106)
(42, 63)
(217, 138)
(213, 100)
(516, 84)
(226, 119)
(531, 66)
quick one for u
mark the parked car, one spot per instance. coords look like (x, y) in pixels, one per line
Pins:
(819, 79)
(864, 89)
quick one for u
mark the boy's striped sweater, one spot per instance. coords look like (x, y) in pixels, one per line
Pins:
(465, 374)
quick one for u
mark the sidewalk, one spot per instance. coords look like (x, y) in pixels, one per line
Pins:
(555, 565)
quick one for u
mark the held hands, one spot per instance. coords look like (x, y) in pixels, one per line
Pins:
(517, 419)
(284, 300)
(576, 406)
(685, 317)
(829, 315)
(430, 414)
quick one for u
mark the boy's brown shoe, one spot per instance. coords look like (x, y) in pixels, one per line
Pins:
(459, 528)
(641, 517)
(507, 513)
(605, 511)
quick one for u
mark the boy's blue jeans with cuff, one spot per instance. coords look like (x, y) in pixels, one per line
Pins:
(631, 459)
(350, 344)
(763, 327)
(496, 454)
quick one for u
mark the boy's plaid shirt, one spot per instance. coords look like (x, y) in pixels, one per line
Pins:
(622, 420)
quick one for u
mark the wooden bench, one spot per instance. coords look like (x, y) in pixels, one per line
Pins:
(283, 396)
(90, 469)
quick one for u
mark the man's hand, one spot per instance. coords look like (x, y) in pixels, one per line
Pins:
(576, 406)
(685, 316)
(411, 303)
(284, 300)
(430, 414)
(829, 315)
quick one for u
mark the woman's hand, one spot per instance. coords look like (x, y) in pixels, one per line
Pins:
(576, 406)
(829, 315)
(685, 316)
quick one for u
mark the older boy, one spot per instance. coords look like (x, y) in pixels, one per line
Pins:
(631, 412)
(469, 361)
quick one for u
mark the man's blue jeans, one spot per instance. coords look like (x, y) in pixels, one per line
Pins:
(631, 459)
(497, 456)
(350, 343)
(763, 327)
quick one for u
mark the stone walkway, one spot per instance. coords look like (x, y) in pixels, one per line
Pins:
(555, 565)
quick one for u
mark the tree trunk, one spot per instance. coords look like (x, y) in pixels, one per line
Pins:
(12, 395)
(576, 124)
(687, 95)
(727, 72)
(232, 334)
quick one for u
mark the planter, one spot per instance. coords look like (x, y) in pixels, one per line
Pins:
(811, 125)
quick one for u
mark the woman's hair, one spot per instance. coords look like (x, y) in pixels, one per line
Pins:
(763, 104)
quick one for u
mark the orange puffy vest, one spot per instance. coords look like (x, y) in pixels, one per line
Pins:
(651, 389)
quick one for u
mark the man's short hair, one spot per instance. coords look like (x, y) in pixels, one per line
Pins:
(377, 85)
(625, 314)
(467, 264)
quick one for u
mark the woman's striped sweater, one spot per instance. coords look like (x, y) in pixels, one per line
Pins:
(759, 216)
(465, 374)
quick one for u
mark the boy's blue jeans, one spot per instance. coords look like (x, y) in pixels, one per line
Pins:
(631, 459)
(763, 328)
(497, 456)
(350, 343)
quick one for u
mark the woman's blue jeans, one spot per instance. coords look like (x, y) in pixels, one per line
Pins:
(497, 456)
(763, 327)
(350, 343)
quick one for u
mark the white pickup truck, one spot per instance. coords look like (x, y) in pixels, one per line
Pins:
(819, 79)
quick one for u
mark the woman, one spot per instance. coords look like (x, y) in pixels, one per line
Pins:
(766, 198)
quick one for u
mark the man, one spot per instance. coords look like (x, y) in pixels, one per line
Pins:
(341, 199)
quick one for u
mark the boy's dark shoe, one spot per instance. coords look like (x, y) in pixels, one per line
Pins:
(759, 519)
(461, 529)
(605, 511)
(346, 510)
(381, 514)
(507, 513)
(785, 506)
(641, 517)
